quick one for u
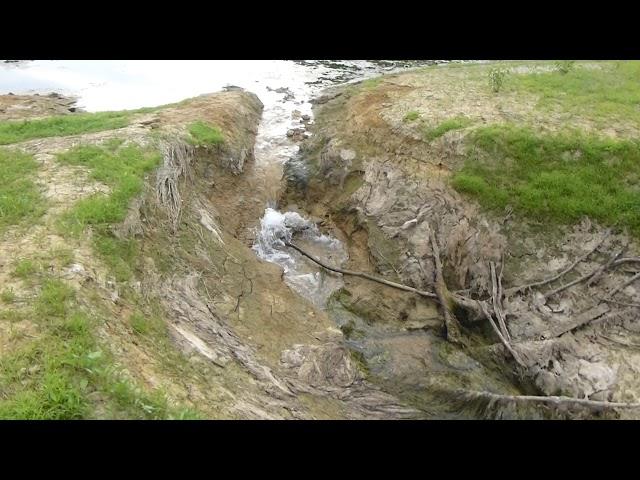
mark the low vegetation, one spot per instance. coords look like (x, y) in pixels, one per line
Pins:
(608, 92)
(554, 178)
(122, 168)
(20, 199)
(205, 135)
(497, 77)
(64, 373)
(63, 125)
(455, 123)
(411, 116)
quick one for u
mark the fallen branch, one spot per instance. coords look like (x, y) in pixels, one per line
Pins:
(553, 400)
(504, 341)
(496, 297)
(399, 286)
(624, 285)
(562, 273)
(450, 322)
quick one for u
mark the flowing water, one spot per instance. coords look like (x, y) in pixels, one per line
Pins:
(284, 87)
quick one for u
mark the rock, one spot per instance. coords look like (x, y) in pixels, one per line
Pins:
(296, 114)
(306, 118)
(325, 365)
(296, 134)
(325, 98)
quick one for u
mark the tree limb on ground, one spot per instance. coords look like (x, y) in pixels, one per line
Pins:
(399, 286)
(553, 400)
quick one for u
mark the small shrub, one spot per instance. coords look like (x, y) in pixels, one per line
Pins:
(497, 76)
(565, 66)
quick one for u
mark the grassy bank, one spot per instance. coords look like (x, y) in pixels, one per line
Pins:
(122, 168)
(554, 178)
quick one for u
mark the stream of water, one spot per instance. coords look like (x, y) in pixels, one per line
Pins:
(284, 87)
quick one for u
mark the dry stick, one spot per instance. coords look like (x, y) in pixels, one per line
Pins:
(554, 400)
(624, 285)
(604, 268)
(399, 286)
(571, 284)
(504, 341)
(450, 322)
(626, 260)
(495, 296)
(562, 273)
(608, 300)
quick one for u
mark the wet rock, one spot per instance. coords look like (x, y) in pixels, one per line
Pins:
(297, 134)
(325, 98)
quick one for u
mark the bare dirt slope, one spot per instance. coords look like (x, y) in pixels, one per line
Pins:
(370, 172)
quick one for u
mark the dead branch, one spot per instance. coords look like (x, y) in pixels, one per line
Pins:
(571, 284)
(626, 260)
(624, 304)
(553, 400)
(496, 297)
(540, 283)
(624, 285)
(504, 341)
(399, 286)
(450, 322)
(578, 321)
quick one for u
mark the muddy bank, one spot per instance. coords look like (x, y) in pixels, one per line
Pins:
(372, 177)
(22, 107)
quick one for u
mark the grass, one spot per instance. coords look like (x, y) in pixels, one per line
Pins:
(609, 93)
(122, 168)
(205, 135)
(66, 374)
(20, 199)
(7, 296)
(25, 268)
(371, 83)
(554, 178)
(63, 125)
(455, 123)
(411, 116)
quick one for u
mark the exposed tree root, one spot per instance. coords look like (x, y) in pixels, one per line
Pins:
(399, 286)
(556, 401)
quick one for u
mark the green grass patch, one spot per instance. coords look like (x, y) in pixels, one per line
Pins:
(26, 268)
(554, 178)
(20, 199)
(455, 123)
(66, 374)
(8, 296)
(19, 131)
(611, 92)
(205, 135)
(123, 169)
(371, 83)
(411, 116)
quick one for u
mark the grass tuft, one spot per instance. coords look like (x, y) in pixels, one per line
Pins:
(205, 135)
(20, 199)
(455, 123)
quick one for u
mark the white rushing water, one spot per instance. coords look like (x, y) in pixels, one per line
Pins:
(282, 86)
